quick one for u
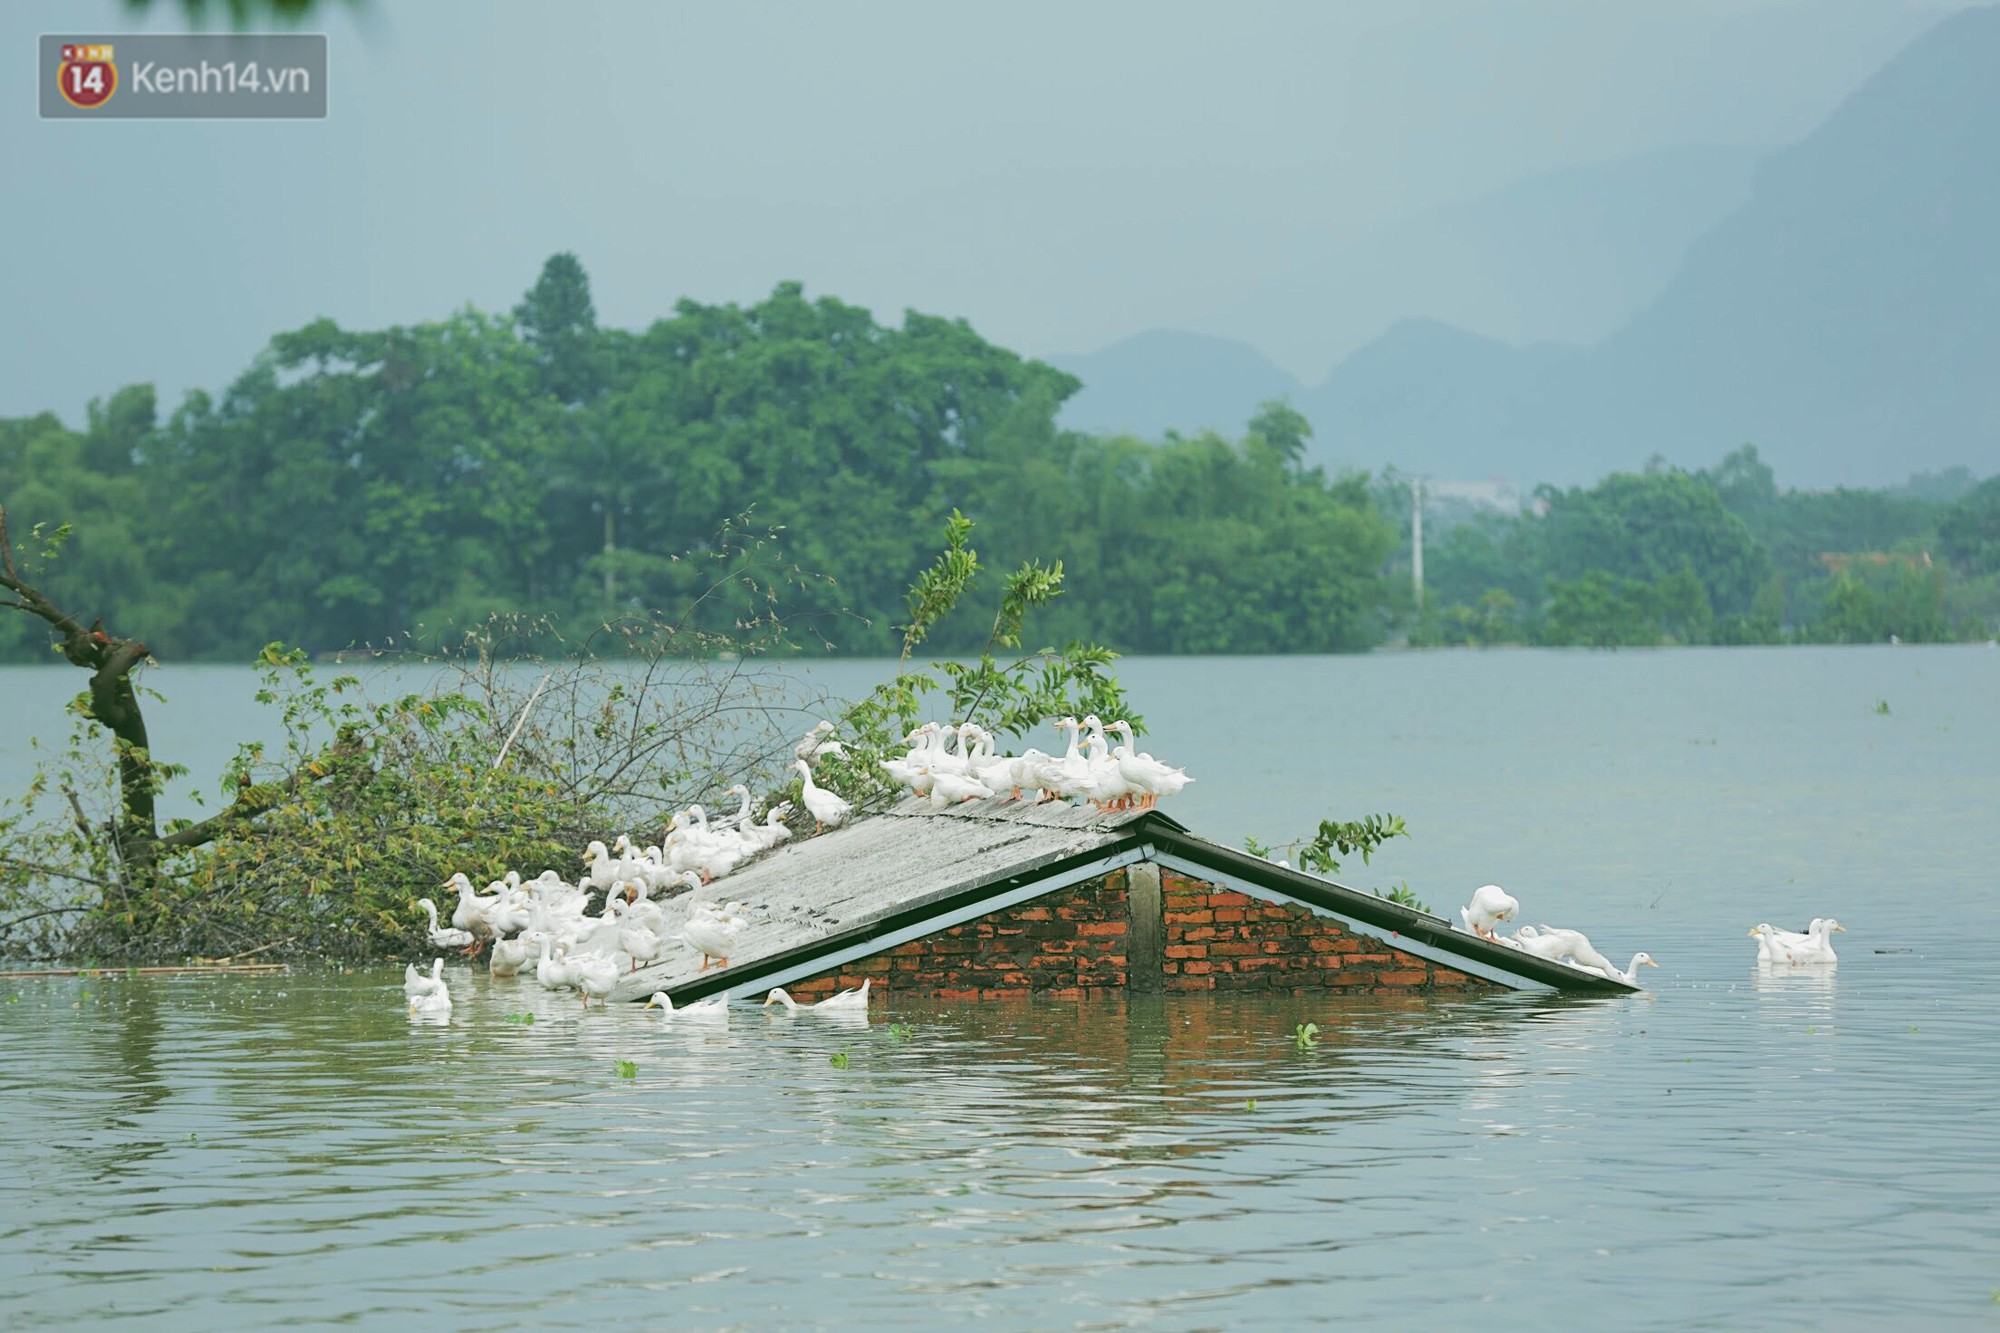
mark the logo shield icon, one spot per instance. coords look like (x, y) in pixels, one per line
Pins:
(87, 76)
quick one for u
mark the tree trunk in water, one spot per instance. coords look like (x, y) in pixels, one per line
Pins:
(114, 705)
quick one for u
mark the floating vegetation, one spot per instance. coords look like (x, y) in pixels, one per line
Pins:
(527, 1019)
(627, 1069)
(1305, 1036)
(1882, 707)
(899, 1031)
(838, 1059)
(1250, 1105)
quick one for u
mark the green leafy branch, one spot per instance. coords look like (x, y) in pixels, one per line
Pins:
(1006, 697)
(1339, 838)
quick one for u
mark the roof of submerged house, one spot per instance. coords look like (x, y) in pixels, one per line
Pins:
(819, 902)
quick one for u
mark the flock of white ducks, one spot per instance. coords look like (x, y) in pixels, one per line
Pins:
(652, 899)
(1492, 905)
(1788, 948)
(950, 765)
(656, 897)
(546, 920)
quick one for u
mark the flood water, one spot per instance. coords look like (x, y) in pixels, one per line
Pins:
(1809, 1148)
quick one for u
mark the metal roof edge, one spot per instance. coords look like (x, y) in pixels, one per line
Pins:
(1435, 935)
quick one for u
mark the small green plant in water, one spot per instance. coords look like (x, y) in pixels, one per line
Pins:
(1882, 707)
(899, 1031)
(1305, 1036)
(838, 1059)
(627, 1069)
(1250, 1105)
(520, 1018)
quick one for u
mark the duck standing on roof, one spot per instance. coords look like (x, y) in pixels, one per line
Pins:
(1490, 905)
(827, 808)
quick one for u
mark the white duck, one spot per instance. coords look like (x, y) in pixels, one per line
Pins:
(1021, 773)
(639, 940)
(1068, 775)
(1148, 777)
(432, 1003)
(826, 807)
(596, 977)
(471, 913)
(1108, 786)
(443, 937)
(603, 872)
(555, 972)
(773, 830)
(1571, 946)
(509, 956)
(712, 931)
(815, 743)
(1630, 976)
(416, 984)
(1490, 905)
(848, 1001)
(716, 1006)
(1790, 947)
(694, 845)
(949, 789)
(912, 768)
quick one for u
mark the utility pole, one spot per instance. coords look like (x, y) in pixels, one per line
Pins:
(1417, 539)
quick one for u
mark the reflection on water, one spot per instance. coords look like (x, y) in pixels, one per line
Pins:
(294, 1150)
(1803, 1147)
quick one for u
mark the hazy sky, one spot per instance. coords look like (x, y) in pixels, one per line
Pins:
(1060, 174)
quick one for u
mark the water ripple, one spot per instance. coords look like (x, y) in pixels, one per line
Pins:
(1783, 1150)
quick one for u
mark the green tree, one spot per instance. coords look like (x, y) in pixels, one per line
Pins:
(1647, 526)
(559, 320)
(1281, 429)
(1969, 532)
(1600, 610)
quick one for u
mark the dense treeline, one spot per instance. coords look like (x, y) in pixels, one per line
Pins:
(351, 487)
(1721, 556)
(359, 487)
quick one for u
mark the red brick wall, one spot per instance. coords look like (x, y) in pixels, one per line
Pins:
(1221, 940)
(1066, 945)
(1071, 945)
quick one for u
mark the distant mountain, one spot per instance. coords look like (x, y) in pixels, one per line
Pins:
(1846, 319)
(1161, 380)
(1567, 256)
(1423, 396)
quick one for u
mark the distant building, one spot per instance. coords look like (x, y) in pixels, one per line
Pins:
(1499, 495)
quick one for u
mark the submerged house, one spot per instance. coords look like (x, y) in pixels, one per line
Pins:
(996, 900)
